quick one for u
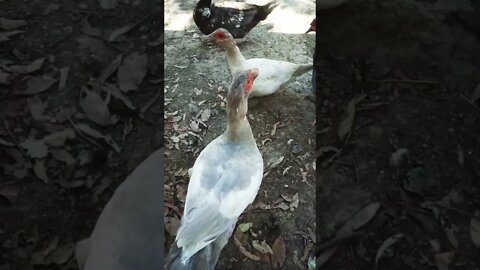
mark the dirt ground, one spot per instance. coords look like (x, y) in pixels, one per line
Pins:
(45, 211)
(197, 79)
(413, 67)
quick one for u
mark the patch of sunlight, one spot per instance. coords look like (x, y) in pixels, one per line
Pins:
(175, 18)
(285, 19)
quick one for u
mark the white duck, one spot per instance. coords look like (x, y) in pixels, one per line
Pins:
(273, 74)
(225, 179)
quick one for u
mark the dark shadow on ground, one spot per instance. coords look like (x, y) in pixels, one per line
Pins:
(417, 63)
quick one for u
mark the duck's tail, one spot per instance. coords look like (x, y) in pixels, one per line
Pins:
(267, 9)
(201, 260)
(302, 69)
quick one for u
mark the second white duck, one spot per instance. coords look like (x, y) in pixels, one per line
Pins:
(273, 74)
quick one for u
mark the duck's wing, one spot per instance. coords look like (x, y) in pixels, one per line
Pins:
(222, 185)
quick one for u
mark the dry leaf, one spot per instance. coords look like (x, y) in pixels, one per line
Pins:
(25, 69)
(37, 85)
(5, 36)
(279, 252)
(276, 162)
(35, 149)
(118, 32)
(95, 107)
(206, 115)
(64, 156)
(283, 206)
(360, 219)
(346, 124)
(244, 251)
(10, 193)
(87, 130)
(63, 77)
(5, 143)
(323, 258)
(443, 260)
(386, 244)
(108, 71)
(105, 182)
(40, 170)
(62, 254)
(36, 108)
(262, 247)
(108, 4)
(132, 71)
(171, 225)
(475, 228)
(475, 94)
(5, 77)
(12, 24)
(112, 89)
(51, 247)
(244, 227)
(181, 193)
(88, 30)
(59, 138)
(451, 237)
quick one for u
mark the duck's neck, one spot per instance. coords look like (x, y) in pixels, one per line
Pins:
(235, 59)
(238, 128)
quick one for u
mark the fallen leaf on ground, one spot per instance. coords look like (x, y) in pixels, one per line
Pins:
(5, 77)
(108, 4)
(181, 193)
(108, 71)
(40, 170)
(451, 236)
(36, 107)
(5, 36)
(25, 69)
(244, 251)
(50, 8)
(443, 260)
(119, 32)
(386, 244)
(475, 228)
(206, 115)
(262, 247)
(156, 42)
(244, 227)
(325, 256)
(132, 71)
(37, 85)
(360, 219)
(112, 89)
(279, 252)
(10, 193)
(95, 108)
(105, 182)
(59, 138)
(89, 30)
(397, 158)
(346, 125)
(64, 156)
(35, 148)
(51, 246)
(87, 130)
(62, 254)
(63, 77)
(475, 94)
(5, 143)
(12, 24)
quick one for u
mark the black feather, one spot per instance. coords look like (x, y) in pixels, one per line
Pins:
(237, 18)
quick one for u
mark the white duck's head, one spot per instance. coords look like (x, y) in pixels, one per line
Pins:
(223, 38)
(239, 92)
